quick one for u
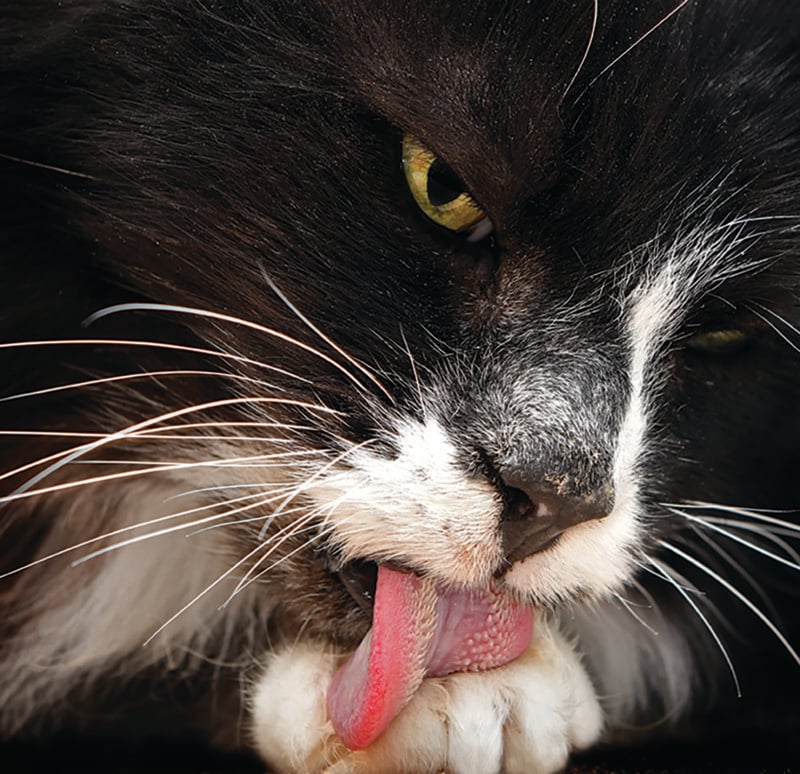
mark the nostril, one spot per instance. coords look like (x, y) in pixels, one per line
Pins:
(518, 506)
(526, 526)
(533, 519)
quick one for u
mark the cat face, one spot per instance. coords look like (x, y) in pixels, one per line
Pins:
(513, 406)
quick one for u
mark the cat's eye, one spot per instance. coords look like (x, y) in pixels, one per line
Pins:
(440, 194)
(723, 341)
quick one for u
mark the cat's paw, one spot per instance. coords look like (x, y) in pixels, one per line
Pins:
(526, 717)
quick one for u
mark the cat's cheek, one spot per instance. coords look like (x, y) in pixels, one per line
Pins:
(527, 716)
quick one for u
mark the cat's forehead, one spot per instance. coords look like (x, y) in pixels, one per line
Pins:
(505, 92)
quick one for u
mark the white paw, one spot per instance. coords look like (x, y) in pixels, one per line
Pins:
(525, 717)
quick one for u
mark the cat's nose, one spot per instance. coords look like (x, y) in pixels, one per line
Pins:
(535, 515)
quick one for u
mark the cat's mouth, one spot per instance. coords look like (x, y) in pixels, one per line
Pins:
(419, 629)
(360, 578)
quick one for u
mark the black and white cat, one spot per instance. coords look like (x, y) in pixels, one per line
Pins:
(398, 387)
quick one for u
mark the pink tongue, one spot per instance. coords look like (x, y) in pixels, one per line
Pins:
(420, 630)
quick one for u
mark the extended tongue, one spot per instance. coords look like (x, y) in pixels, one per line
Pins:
(420, 630)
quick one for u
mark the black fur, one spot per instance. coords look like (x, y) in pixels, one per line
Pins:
(187, 153)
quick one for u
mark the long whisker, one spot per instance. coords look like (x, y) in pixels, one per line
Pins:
(776, 329)
(210, 315)
(736, 593)
(259, 460)
(771, 534)
(302, 525)
(638, 41)
(48, 167)
(595, 14)
(629, 607)
(414, 370)
(134, 376)
(200, 595)
(329, 341)
(63, 458)
(738, 539)
(306, 483)
(121, 531)
(760, 515)
(153, 345)
(180, 527)
(679, 588)
(166, 432)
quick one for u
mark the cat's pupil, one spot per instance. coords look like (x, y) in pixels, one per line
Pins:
(443, 184)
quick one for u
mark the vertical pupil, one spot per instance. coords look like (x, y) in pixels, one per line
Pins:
(443, 184)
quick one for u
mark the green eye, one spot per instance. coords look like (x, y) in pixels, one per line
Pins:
(440, 194)
(718, 342)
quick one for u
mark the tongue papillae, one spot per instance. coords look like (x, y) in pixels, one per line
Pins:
(420, 630)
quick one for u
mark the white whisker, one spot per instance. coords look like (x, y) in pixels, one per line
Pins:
(592, 31)
(210, 315)
(667, 576)
(134, 376)
(736, 593)
(738, 539)
(153, 345)
(330, 342)
(65, 457)
(638, 41)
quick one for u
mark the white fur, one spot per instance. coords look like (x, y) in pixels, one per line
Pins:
(418, 507)
(523, 718)
(103, 612)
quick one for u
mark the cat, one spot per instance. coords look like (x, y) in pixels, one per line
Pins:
(399, 387)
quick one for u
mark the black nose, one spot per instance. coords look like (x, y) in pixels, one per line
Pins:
(535, 515)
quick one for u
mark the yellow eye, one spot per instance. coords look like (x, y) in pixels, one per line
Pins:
(718, 342)
(440, 194)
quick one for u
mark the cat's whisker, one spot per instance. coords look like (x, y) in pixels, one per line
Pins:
(638, 41)
(715, 546)
(746, 601)
(164, 433)
(136, 376)
(119, 343)
(210, 587)
(306, 484)
(272, 544)
(327, 339)
(760, 515)
(224, 487)
(248, 520)
(592, 31)
(69, 455)
(782, 320)
(774, 535)
(688, 587)
(673, 579)
(305, 524)
(211, 315)
(246, 461)
(704, 524)
(327, 510)
(120, 531)
(155, 468)
(630, 608)
(415, 372)
(49, 167)
(178, 527)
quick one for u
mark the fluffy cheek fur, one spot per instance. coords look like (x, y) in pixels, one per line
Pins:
(418, 508)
